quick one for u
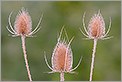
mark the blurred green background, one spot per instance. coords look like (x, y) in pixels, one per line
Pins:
(56, 14)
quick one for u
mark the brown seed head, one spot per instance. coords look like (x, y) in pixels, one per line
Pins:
(62, 58)
(23, 24)
(96, 27)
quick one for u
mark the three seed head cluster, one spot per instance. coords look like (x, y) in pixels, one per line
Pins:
(62, 56)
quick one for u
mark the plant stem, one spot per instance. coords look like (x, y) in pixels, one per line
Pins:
(62, 76)
(93, 56)
(25, 57)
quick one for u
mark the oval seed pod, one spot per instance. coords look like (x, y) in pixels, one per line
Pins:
(23, 23)
(96, 27)
(62, 58)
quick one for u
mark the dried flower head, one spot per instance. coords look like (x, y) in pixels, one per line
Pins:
(96, 27)
(23, 24)
(95, 31)
(62, 58)
(23, 28)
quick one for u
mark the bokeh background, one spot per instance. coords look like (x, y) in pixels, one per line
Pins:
(56, 14)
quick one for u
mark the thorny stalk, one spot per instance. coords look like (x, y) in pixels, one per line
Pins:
(62, 76)
(25, 57)
(93, 57)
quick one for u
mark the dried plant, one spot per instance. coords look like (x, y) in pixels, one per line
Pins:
(95, 31)
(23, 28)
(62, 58)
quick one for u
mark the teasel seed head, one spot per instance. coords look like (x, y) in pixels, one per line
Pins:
(62, 57)
(96, 27)
(23, 24)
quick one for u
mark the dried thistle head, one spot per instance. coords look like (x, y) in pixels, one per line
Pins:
(23, 24)
(96, 27)
(62, 58)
